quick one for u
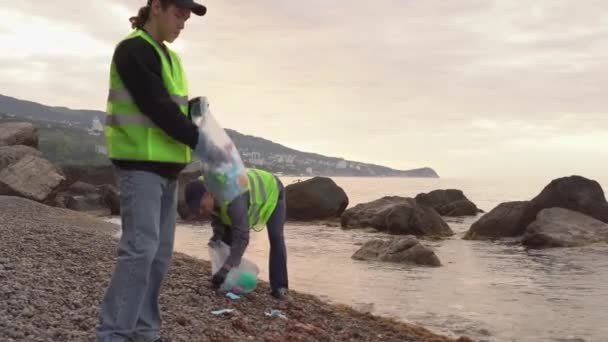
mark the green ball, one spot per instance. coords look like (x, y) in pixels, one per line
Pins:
(248, 281)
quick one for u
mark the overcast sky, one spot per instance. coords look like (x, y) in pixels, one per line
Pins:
(472, 88)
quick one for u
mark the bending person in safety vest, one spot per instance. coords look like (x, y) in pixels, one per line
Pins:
(263, 204)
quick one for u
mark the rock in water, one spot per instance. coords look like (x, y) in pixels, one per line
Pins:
(557, 227)
(396, 215)
(502, 221)
(405, 249)
(315, 199)
(512, 218)
(449, 202)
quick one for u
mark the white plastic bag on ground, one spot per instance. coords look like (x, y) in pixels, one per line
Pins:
(241, 279)
(228, 179)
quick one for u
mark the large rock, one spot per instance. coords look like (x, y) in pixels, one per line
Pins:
(449, 202)
(405, 249)
(557, 227)
(18, 133)
(80, 196)
(111, 198)
(12, 154)
(511, 219)
(95, 175)
(31, 177)
(502, 221)
(396, 215)
(315, 199)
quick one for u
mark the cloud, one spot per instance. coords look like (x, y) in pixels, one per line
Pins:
(437, 83)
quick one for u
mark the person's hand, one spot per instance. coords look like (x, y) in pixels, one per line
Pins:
(219, 277)
(215, 241)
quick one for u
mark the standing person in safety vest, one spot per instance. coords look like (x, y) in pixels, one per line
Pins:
(262, 204)
(150, 139)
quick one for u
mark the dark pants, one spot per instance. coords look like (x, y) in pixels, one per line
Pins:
(278, 252)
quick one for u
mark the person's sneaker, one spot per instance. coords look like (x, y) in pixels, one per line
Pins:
(280, 293)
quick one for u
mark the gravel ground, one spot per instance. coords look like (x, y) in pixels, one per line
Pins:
(55, 265)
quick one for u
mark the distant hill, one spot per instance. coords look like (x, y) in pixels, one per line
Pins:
(254, 150)
(40, 112)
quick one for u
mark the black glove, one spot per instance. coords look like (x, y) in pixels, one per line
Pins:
(195, 108)
(219, 277)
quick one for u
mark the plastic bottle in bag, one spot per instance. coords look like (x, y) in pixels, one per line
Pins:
(226, 180)
(240, 280)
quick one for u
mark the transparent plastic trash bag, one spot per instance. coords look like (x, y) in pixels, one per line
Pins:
(240, 280)
(226, 179)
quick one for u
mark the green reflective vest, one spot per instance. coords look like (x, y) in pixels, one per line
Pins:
(263, 198)
(130, 135)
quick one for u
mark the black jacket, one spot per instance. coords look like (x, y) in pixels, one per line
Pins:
(139, 68)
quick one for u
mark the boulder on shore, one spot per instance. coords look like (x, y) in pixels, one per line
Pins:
(31, 177)
(14, 153)
(575, 193)
(18, 133)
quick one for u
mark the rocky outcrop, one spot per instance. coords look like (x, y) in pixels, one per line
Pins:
(511, 219)
(100, 200)
(18, 133)
(12, 154)
(315, 199)
(449, 202)
(557, 227)
(405, 249)
(396, 215)
(25, 173)
(31, 177)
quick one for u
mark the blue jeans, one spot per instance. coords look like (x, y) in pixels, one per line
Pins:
(130, 309)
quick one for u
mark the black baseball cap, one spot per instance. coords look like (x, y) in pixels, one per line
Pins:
(193, 193)
(195, 7)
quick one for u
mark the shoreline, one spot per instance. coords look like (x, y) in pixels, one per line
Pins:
(56, 263)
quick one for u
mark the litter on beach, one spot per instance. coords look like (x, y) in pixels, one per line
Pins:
(233, 296)
(276, 313)
(222, 311)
